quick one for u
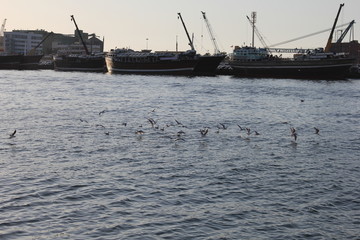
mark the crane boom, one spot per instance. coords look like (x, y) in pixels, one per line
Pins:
(78, 31)
(328, 44)
(216, 49)
(305, 36)
(2, 28)
(187, 33)
(345, 32)
(32, 51)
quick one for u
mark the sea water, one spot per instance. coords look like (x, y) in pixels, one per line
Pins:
(100, 156)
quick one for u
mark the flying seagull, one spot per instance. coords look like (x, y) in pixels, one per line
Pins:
(13, 134)
(204, 131)
(317, 131)
(293, 133)
(152, 122)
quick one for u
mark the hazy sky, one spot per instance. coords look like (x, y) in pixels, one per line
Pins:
(126, 23)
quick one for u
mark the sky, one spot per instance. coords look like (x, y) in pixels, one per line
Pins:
(153, 24)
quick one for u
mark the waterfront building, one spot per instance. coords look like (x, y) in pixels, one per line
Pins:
(21, 42)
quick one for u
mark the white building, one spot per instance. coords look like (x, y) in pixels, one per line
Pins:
(21, 42)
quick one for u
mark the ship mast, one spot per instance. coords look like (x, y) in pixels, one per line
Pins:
(328, 45)
(80, 35)
(258, 34)
(187, 34)
(253, 21)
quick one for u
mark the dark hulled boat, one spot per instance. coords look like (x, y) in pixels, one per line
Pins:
(20, 62)
(254, 62)
(30, 62)
(208, 64)
(75, 62)
(80, 62)
(147, 62)
(315, 64)
(10, 61)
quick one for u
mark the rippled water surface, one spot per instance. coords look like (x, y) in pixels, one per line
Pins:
(76, 169)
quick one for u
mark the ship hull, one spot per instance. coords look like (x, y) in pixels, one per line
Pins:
(208, 65)
(79, 63)
(10, 62)
(313, 69)
(180, 67)
(30, 62)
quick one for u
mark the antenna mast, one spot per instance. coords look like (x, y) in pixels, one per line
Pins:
(253, 21)
(258, 35)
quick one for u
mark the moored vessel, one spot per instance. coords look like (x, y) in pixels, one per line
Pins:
(30, 62)
(147, 62)
(315, 64)
(79, 62)
(10, 61)
(208, 64)
(252, 62)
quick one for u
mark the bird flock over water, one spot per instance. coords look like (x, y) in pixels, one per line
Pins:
(149, 125)
(178, 131)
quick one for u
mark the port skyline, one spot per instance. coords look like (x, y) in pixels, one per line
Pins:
(154, 25)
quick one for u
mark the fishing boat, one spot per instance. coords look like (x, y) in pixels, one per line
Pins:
(79, 62)
(162, 62)
(10, 61)
(208, 64)
(318, 63)
(147, 62)
(315, 64)
(20, 62)
(64, 61)
(30, 62)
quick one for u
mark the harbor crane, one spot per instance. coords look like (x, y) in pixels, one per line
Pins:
(32, 51)
(80, 35)
(2, 28)
(328, 44)
(2, 36)
(187, 33)
(341, 38)
(216, 49)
